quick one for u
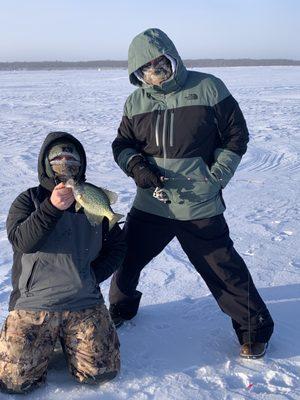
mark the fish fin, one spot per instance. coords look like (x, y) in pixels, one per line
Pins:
(94, 219)
(114, 220)
(112, 196)
(78, 206)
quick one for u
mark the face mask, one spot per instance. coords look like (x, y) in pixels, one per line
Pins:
(65, 169)
(156, 71)
(64, 161)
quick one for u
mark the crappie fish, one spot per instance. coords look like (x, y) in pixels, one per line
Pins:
(95, 202)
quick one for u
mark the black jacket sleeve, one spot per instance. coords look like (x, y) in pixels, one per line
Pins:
(125, 137)
(28, 227)
(111, 255)
(233, 134)
(232, 126)
(125, 146)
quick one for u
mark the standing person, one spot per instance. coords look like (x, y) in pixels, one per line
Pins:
(59, 261)
(181, 139)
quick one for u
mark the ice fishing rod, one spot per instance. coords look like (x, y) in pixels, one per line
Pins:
(160, 194)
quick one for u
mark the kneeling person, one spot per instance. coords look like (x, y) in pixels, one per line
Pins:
(59, 261)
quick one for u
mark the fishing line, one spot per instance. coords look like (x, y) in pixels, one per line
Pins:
(248, 307)
(248, 304)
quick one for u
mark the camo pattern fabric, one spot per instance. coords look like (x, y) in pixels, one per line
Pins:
(28, 338)
(91, 344)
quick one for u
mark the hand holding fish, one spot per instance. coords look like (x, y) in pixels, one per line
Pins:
(62, 197)
(95, 201)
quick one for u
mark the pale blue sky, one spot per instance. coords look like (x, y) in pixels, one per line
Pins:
(93, 29)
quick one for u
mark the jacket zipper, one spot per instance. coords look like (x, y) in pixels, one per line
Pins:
(172, 128)
(164, 135)
(157, 128)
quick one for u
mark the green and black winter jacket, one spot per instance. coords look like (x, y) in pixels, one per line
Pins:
(190, 127)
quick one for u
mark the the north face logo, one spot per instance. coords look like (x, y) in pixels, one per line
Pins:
(191, 96)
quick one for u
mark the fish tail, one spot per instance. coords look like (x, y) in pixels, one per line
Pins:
(114, 220)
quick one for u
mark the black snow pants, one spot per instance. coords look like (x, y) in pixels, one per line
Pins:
(209, 248)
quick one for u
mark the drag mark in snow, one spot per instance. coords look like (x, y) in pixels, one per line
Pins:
(258, 160)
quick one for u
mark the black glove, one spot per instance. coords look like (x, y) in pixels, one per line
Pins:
(144, 175)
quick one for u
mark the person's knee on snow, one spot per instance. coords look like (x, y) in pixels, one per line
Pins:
(7, 386)
(47, 232)
(91, 344)
(99, 379)
(26, 342)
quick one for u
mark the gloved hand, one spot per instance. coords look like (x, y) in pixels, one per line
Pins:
(144, 175)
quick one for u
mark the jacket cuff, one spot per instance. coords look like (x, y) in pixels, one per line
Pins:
(226, 163)
(124, 157)
(134, 160)
(48, 208)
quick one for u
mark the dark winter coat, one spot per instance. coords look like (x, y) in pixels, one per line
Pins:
(190, 127)
(59, 258)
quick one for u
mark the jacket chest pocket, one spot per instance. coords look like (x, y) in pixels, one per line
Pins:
(157, 127)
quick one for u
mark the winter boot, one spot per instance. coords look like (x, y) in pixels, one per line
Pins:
(125, 309)
(253, 350)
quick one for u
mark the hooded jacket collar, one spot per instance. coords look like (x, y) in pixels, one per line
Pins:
(46, 181)
(147, 46)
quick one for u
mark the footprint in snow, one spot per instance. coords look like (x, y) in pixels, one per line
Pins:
(295, 263)
(282, 236)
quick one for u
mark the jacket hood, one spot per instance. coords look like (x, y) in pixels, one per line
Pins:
(148, 45)
(46, 181)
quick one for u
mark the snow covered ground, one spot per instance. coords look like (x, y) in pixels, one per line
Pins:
(180, 346)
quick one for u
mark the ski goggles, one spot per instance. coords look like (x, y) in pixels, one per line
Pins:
(157, 63)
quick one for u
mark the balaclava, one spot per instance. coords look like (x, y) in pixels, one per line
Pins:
(64, 160)
(156, 71)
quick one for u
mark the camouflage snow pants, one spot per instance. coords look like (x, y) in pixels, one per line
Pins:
(28, 338)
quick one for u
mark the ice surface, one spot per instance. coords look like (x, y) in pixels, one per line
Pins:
(180, 346)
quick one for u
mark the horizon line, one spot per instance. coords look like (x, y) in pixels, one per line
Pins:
(123, 64)
(124, 60)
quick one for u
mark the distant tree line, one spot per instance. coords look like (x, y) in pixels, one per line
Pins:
(107, 64)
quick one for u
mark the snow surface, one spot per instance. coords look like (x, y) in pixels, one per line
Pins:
(180, 346)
